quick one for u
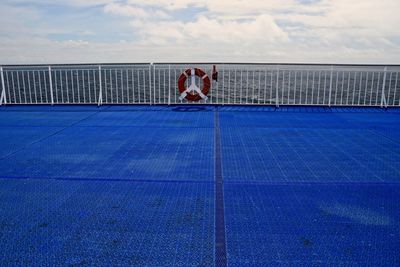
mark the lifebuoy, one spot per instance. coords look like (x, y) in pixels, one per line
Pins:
(194, 93)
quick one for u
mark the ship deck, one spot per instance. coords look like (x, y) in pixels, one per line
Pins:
(199, 186)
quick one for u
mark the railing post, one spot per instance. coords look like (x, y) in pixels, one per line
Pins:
(330, 87)
(51, 87)
(3, 91)
(100, 100)
(277, 89)
(223, 84)
(383, 97)
(151, 64)
(169, 85)
(154, 86)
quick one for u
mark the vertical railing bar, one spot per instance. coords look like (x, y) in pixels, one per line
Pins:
(114, 88)
(105, 85)
(100, 99)
(8, 87)
(283, 86)
(3, 88)
(150, 89)
(377, 89)
(228, 93)
(56, 85)
(89, 87)
(354, 87)
(330, 87)
(270, 91)
(116, 85)
(78, 86)
(40, 86)
(45, 87)
(395, 89)
(342, 90)
(133, 86)
(253, 91)
(23, 84)
(13, 86)
(295, 87)
(154, 86)
(348, 89)
(66, 84)
(241, 85)
(169, 85)
(288, 87)
(109, 87)
(164, 86)
(94, 85)
(277, 85)
(336, 86)
(72, 88)
(19, 87)
(176, 95)
(127, 85)
(34, 85)
(181, 71)
(359, 89)
(247, 86)
(144, 86)
(383, 97)
(223, 84)
(389, 89)
(259, 86)
(234, 86)
(159, 86)
(122, 86)
(265, 85)
(29, 88)
(325, 78)
(319, 87)
(307, 86)
(138, 84)
(229, 86)
(83, 85)
(301, 86)
(312, 87)
(61, 87)
(366, 89)
(372, 88)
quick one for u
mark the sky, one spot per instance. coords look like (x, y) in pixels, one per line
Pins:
(131, 31)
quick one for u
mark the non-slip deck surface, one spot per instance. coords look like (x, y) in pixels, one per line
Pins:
(136, 185)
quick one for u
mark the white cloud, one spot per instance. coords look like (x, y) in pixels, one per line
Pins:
(204, 31)
(134, 11)
(125, 10)
(338, 31)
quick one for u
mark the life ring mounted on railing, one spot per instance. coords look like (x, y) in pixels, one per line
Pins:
(193, 92)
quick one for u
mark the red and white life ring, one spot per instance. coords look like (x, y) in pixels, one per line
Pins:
(194, 93)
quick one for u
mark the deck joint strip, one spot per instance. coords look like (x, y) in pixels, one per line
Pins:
(220, 235)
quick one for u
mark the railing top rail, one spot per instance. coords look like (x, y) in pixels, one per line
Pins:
(277, 64)
(199, 63)
(72, 65)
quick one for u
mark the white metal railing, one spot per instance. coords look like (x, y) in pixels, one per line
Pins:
(238, 84)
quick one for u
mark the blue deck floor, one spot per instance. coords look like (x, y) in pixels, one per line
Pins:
(135, 185)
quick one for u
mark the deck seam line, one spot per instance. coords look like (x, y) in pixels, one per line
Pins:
(220, 235)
